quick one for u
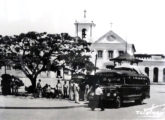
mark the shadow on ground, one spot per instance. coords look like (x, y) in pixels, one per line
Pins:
(63, 107)
(124, 105)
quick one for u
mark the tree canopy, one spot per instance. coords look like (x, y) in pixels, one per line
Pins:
(34, 53)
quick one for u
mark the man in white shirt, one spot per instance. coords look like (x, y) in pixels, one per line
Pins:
(98, 98)
(76, 92)
(98, 91)
(59, 89)
(71, 91)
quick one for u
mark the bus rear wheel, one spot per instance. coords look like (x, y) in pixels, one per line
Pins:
(139, 101)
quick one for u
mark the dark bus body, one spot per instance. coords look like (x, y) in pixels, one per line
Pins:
(122, 84)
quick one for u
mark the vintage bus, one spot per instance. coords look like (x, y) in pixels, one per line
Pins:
(121, 84)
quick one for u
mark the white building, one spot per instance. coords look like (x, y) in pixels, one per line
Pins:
(111, 45)
(108, 46)
(153, 65)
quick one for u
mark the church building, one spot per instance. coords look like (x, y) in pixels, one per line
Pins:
(111, 45)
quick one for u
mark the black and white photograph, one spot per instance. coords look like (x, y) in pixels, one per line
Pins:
(82, 59)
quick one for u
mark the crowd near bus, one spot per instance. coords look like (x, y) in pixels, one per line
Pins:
(106, 87)
(72, 90)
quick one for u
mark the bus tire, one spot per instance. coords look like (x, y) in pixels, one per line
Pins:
(139, 101)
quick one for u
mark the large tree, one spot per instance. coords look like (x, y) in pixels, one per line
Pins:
(34, 52)
(78, 57)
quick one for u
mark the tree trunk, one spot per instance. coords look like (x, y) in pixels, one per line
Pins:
(33, 81)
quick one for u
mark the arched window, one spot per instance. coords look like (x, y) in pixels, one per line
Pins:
(164, 75)
(146, 71)
(156, 73)
(84, 33)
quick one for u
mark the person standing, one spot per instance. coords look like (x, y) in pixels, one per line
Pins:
(13, 86)
(98, 98)
(65, 89)
(71, 91)
(86, 92)
(45, 90)
(39, 88)
(49, 91)
(59, 89)
(76, 92)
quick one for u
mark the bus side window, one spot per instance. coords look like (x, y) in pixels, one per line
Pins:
(122, 80)
(129, 80)
(104, 79)
(136, 80)
(109, 80)
(143, 81)
(139, 81)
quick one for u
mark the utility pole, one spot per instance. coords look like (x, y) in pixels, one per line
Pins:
(5, 62)
(111, 25)
(85, 13)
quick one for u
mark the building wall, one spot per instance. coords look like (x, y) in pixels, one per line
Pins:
(153, 64)
(103, 61)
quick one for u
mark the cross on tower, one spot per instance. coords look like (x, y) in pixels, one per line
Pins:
(111, 25)
(85, 13)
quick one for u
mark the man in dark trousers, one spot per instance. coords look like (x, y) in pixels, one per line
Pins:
(98, 98)
(65, 89)
(39, 88)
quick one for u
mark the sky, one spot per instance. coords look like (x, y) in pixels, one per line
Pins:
(140, 22)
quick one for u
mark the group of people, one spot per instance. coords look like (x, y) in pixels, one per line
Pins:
(59, 91)
(70, 90)
(74, 92)
(10, 85)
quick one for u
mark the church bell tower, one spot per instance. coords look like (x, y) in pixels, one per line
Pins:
(84, 28)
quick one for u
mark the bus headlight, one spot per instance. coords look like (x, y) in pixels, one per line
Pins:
(114, 94)
(108, 94)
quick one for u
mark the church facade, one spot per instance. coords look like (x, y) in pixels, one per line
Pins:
(109, 46)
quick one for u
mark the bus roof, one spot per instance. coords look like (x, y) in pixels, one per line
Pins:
(121, 71)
